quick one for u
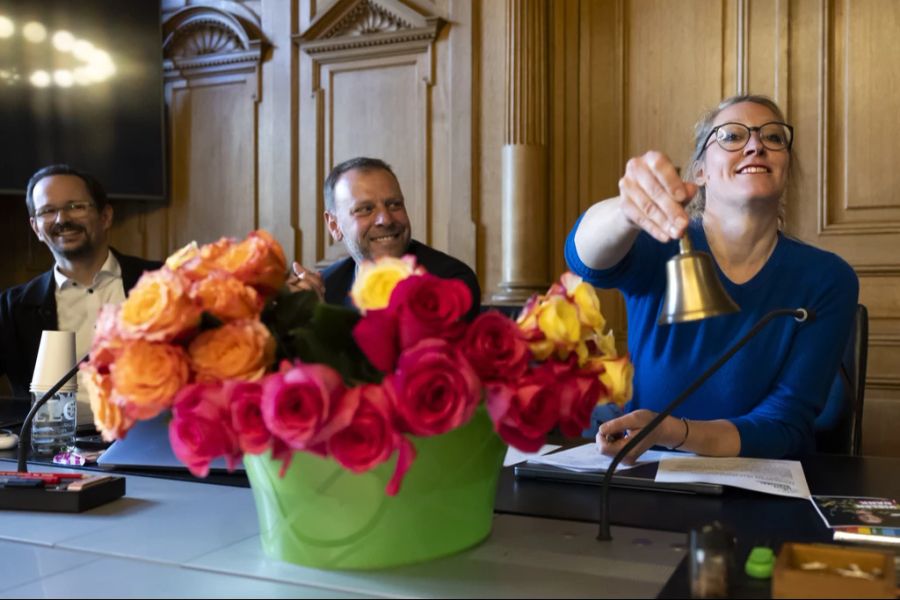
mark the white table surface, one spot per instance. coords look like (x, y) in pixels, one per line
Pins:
(169, 538)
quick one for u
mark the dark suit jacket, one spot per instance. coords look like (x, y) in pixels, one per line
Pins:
(28, 309)
(339, 277)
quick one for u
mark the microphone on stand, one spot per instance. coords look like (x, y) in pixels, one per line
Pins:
(799, 314)
(54, 491)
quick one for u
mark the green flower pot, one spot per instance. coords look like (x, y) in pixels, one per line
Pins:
(322, 515)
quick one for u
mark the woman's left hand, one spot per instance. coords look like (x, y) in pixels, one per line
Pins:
(614, 434)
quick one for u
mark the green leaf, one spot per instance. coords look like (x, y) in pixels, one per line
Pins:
(288, 310)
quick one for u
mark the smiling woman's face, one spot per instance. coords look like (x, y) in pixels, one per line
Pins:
(751, 173)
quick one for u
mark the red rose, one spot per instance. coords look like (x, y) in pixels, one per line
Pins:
(580, 391)
(376, 336)
(524, 414)
(304, 405)
(429, 306)
(496, 347)
(370, 439)
(437, 389)
(246, 415)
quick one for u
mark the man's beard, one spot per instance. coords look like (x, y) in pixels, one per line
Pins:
(82, 250)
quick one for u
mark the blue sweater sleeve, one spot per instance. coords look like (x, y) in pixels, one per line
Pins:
(624, 275)
(782, 423)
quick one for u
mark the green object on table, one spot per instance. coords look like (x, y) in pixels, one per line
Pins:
(760, 562)
(322, 515)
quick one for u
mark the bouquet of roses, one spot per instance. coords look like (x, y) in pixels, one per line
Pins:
(245, 366)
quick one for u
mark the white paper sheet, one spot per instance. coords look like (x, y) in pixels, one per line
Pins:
(514, 457)
(779, 477)
(587, 459)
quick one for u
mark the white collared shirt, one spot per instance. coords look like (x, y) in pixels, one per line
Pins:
(76, 310)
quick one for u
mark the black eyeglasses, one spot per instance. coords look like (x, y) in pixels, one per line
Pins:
(734, 136)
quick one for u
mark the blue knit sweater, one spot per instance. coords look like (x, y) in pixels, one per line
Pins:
(774, 387)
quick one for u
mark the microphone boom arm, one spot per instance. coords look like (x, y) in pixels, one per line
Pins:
(800, 314)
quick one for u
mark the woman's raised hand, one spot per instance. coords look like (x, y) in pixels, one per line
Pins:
(653, 196)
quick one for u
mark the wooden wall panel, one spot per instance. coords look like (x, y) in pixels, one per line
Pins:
(365, 89)
(843, 76)
(213, 191)
(389, 124)
(670, 77)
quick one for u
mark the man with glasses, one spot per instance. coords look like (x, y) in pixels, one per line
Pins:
(69, 213)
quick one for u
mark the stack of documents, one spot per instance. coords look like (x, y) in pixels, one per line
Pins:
(778, 477)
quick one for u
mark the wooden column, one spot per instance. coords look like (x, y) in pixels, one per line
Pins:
(524, 228)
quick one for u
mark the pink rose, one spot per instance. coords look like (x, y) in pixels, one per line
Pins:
(246, 415)
(206, 400)
(304, 405)
(524, 414)
(197, 441)
(201, 429)
(376, 335)
(429, 306)
(437, 388)
(496, 347)
(371, 438)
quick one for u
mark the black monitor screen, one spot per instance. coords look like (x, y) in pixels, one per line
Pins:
(81, 84)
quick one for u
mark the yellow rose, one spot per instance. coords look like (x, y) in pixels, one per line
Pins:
(606, 344)
(108, 418)
(558, 320)
(258, 261)
(375, 281)
(237, 350)
(159, 308)
(226, 298)
(146, 377)
(182, 256)
(618, 379)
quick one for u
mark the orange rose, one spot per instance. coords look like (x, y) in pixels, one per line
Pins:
(196, 262)
(146, 377)
(226, 298)
(108, 418)
(237, 350)
(159, 308)
(107, 343)
(258, 261)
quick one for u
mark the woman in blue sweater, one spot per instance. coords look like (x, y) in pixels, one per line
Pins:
(764, 400)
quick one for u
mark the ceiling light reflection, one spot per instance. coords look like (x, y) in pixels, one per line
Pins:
(63, 40)
(7, 27)
(40, 79)
(34, 32)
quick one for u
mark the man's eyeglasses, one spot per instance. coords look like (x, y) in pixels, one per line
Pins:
(734, 136)
(73, 209)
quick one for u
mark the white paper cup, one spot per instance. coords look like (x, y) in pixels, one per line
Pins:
(56, 357)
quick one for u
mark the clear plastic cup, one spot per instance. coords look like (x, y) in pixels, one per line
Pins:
(53, 428)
